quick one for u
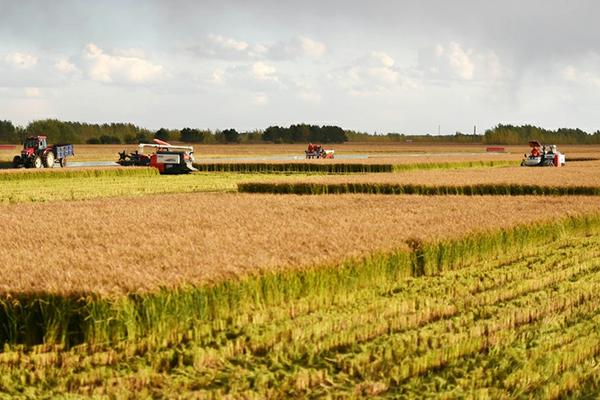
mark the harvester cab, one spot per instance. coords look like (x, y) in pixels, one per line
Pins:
(543, 156)
(36, 153)
(317, 151)
(167, 158)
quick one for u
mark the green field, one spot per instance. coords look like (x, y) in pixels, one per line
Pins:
(35, 186)
(514, 314)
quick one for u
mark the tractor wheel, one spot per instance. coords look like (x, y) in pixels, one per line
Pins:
(17, 162)
(48, 159)
(63, 162)
(36, 162)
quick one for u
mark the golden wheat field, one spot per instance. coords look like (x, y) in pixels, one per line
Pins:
(574, 174)
(120, 245)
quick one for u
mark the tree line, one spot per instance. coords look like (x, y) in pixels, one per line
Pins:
(511, 134)
(118, 133)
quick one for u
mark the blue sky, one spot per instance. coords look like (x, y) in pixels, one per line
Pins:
(402, 66)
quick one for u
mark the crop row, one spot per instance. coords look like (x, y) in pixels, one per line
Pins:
(343, 168)
(306, 188)
(361, 332)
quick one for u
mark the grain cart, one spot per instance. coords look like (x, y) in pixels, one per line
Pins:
(37, 153)
(167, 158)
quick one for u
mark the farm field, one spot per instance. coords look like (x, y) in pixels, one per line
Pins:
(233, 235)
(179, 286)
(575, 174)
(518, 324)
(383, 152)
(87, 183)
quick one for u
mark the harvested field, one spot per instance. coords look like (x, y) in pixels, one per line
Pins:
(232, 235)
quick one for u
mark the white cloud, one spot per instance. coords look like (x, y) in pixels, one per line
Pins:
(461, 62)
(261, 98)
(383, 59)
(453, 61)
(263, 72)
(311, 47)
(64, 66)
(105, 67)
(373, 73)
(310, 96)
(574, 75)
(32, 92)
(218, 76)
(228, 48)
(21, 60)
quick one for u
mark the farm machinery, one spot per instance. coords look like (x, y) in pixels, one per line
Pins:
(37, 153)
(317, 151)
(167, 158)
(543, 156)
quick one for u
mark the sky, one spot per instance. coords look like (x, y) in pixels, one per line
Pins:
(414, 67)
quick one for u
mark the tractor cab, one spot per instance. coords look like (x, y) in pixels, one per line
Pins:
(34, 144)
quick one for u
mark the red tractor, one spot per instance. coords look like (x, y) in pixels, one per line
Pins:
(37, 154)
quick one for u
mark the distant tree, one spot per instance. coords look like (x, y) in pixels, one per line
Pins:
(192, 135)
(162, 134)
(93, 141)
(107, 139)
(231, 136)
(9, 133)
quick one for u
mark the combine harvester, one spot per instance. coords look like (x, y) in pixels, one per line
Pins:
(37, 153)
(543, 156)
(167, 158)
(317, 151)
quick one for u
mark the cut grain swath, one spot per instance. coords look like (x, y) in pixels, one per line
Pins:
(342, 168)
(334, 168)
(306, 188)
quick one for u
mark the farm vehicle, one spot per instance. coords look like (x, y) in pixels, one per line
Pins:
(167, 158)
(37, 153)
(543, 156)
(317, 151)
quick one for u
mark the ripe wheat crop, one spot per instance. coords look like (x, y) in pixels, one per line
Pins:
(577, 179)
(519, 318)
(166, 241)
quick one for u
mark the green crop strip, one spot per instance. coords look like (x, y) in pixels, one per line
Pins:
(100, 183)
(305, 188)
(56, 173)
